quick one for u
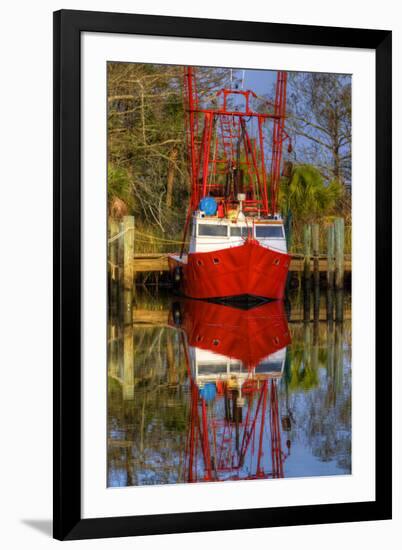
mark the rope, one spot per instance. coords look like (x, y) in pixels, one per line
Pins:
(180, 242)
(158, 238)
(166, 243)
(114, 269)
(172, 241)
(118, 235)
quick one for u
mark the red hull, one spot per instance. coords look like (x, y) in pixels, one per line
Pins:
(249, 336)
(249, 269)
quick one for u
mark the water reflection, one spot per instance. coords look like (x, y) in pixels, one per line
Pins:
(206, 392)
(234, 359)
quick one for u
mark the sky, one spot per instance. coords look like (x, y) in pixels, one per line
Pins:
(259, 81)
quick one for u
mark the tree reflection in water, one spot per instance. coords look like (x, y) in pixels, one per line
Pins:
(187, 385)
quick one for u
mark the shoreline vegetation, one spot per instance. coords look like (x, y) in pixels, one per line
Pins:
(147, 165)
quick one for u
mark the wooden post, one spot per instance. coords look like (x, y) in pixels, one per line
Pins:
(330, 305)
(338, 360)
(128, 267)
(113, 265)
(315, 348)
(330, 362)
(120, 262)
(306, 346)
(128, 363)
(315, 237)
(339, 267)
(330, 271)
(172, 373)
(339, 252)
(339, 305)
(307, 250)
(113, 355)
(330, 255)
(307, 272)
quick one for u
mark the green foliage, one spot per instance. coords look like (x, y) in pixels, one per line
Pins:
(119, 185)
(146, 142)
(307, 196)
(175, 419)
(303, 375)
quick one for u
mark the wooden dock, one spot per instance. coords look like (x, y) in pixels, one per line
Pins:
(158, 262)
(160, 317)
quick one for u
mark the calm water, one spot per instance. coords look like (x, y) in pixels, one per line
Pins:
(200, 392)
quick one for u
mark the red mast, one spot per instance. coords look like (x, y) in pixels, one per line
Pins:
(232, 448)
(279, 135)
(226, 146)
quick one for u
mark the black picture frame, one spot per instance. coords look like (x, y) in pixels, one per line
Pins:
(68, 26)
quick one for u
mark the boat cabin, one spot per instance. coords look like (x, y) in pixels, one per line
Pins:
(208, 367)
(210, 233)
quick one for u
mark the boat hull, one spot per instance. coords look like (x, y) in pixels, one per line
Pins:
(248, 270)
(249, 336)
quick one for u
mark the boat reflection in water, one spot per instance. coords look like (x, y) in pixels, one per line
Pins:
(234, 359)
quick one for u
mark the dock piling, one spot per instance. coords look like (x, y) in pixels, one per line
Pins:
(330, 271)
(113, 266)
(307, 272)
(339, 267)
(128, 267)
(315, 237)
(128, 363)
(339, 305)
(120, 262)
(307, 250)
(330, 256)
(339, 252)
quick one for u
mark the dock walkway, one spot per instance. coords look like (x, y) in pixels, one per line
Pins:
(158, 262)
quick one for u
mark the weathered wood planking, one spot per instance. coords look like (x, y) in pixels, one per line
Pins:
(148, 317)
(152, 263)
(158, 262)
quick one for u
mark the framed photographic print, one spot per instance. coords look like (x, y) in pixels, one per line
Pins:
(222, 274)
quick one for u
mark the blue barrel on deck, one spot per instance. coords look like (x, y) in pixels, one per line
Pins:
(209, 206)
(208, 391)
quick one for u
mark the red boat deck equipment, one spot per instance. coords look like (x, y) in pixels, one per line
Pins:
(237, 241)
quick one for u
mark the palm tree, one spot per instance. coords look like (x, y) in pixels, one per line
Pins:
(306, 195)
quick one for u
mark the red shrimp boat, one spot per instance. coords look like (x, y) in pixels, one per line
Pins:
(234, 359)
(246, 336)
(237, 243)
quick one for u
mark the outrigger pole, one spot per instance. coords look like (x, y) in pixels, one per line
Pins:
(228, 126)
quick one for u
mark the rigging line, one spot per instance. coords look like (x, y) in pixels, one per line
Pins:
(118, 235)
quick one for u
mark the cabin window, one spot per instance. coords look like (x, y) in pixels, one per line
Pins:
(269, 231)
(238, 231)
(236, 367)
(213, 368)
(210, 230)
(264, 368)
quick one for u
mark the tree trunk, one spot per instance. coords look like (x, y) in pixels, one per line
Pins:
(170, 176)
